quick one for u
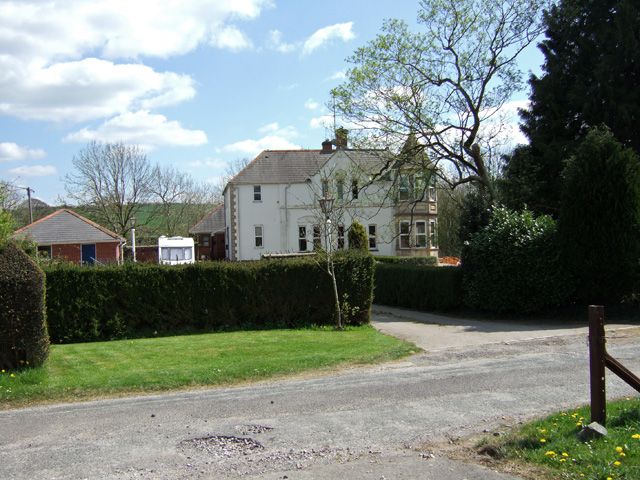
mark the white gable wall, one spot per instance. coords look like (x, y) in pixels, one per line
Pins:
(283, 208)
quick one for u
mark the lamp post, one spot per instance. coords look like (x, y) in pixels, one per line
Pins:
(326, 206)
(133, 238)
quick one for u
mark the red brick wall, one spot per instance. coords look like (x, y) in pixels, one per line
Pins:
(105, 252)
(68, 252)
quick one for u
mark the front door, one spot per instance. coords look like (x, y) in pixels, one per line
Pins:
(88, 254)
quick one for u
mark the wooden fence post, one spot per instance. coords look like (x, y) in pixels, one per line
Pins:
(597, 364)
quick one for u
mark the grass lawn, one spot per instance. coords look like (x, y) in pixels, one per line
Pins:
(552, 443)
(86, 370)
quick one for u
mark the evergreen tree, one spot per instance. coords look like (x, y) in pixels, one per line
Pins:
(591, 76)
(600, 218)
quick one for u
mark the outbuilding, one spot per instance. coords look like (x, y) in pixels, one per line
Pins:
(67, 235)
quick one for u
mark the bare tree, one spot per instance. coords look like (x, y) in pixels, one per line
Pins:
(112, 181)
(233, 168)
(10, 195)
(446, 83)
(180, 200)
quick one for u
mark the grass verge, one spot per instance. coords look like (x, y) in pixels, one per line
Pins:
(87, 370)
(553, 444)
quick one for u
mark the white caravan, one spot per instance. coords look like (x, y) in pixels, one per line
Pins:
(175, 250)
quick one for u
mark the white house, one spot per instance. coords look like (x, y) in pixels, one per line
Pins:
(272, 205)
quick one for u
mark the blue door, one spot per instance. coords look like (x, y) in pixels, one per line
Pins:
(88, 254)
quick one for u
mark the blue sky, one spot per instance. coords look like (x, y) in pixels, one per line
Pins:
(197, 83)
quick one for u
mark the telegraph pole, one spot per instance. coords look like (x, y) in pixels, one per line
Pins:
(29, 190)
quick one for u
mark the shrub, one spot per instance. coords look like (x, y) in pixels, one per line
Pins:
(407, 260)
(599, 218)
(512, 265)
(108, 302)
(358, 237)
(23, 331)
(418, 287)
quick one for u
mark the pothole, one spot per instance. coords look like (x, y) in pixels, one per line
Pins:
(252, 429)
(224, 446)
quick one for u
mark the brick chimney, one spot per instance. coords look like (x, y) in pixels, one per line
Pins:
(327, 147)
(341, 138)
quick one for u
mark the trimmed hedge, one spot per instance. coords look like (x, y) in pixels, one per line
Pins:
(418, 287)
(109, 302)
(432, 261)
(513, 265)
(23, 330)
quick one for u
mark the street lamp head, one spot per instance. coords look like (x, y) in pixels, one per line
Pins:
(326, 205)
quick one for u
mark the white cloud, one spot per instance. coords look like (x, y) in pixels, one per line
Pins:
(275, 42)
(141, 128)
(269, 127)
(11, 152)
(117, 28)
(208, 163)
(277, 138)
(59, 60)
(230, 38)
(311, 104)
(323, 121)
(90, 89)
(34, 170)
(340, 75)
(253, 147)
(340, 31)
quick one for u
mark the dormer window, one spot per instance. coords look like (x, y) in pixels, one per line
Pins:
(257, 193)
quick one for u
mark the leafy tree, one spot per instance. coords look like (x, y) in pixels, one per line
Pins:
(445, 83)
(357, 237)
(600, 218)
(475, 213)
(590, 77)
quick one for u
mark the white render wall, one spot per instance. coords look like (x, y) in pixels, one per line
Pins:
(283, 208)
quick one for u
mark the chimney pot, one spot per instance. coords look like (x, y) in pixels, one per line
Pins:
(327, 147)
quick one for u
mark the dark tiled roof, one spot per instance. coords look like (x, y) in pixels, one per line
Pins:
(281, 166)
(212, 222)
(66, 226)
(296, 166)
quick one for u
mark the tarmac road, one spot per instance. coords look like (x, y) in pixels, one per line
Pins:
(363, 423)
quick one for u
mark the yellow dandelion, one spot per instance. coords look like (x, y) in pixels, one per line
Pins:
(563, 460)
(550, 453)
(543, 440)
(622, 454)
(578, 424)
(636, 436)
(565, 454)
(616, 463)
(619, 449)
(542, 430)
(12, 375)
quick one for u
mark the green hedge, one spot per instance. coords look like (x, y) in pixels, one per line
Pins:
(513, 265)
(23, 330)
(408, 260)
(108, 302)
(418, 287)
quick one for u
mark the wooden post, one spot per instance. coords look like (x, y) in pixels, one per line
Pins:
(597, 364)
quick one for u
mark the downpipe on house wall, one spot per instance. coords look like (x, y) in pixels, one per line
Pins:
(286, 217)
